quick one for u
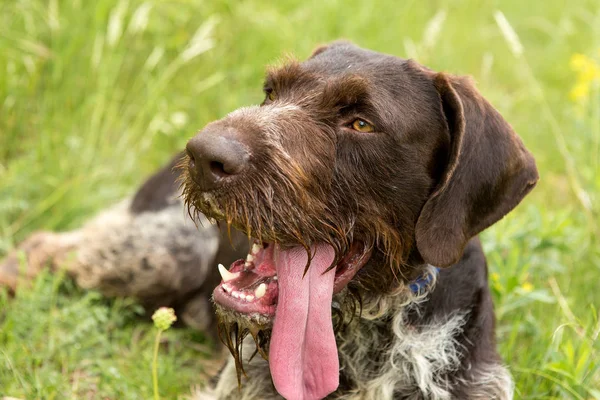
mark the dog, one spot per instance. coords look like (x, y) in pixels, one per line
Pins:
(353, 197)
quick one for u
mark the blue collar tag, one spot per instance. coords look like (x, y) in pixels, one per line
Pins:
(421, 284)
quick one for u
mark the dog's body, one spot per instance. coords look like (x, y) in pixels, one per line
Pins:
(393, 202)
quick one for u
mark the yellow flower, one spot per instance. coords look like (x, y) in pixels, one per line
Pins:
(527, 287)
(588, 75)
(578, 60)
(496, 284)
(580, 91)
(586, 67)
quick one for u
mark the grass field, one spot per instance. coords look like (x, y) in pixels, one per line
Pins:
(95, 95)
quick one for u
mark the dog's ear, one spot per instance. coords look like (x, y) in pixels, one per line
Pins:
(489, 171)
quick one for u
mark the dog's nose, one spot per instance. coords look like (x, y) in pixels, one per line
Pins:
(215, 155)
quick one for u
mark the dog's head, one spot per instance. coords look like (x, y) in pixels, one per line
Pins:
(355, 163)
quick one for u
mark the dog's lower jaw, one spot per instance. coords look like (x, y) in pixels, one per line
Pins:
(294, 288)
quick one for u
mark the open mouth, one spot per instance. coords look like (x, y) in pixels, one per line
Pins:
(273, 287)
(251, 286)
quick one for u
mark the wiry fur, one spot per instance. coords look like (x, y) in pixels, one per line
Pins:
(490, 382)
(133, 254)
(439, 165)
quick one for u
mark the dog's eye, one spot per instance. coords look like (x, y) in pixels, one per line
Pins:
(271, 96)
(361, 125)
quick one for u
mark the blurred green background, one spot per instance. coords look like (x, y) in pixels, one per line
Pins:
(96, 95)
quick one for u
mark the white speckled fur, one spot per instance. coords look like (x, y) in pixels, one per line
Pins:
(123, 253)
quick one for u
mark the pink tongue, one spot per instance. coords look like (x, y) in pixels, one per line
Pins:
(303, 354)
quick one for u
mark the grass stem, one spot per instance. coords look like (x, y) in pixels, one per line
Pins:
(155, 366)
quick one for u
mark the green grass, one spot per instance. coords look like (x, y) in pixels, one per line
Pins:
(95, 95)
(59, 342)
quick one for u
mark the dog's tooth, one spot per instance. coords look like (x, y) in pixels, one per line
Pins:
(249, 297)
(226, 275)
(249, 258)
(256, 248)
(260, 290)
(227, 287)
(236, 294)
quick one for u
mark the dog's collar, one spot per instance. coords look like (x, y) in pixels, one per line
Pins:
(420, 285)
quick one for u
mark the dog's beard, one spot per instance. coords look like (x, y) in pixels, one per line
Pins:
(233, 329)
